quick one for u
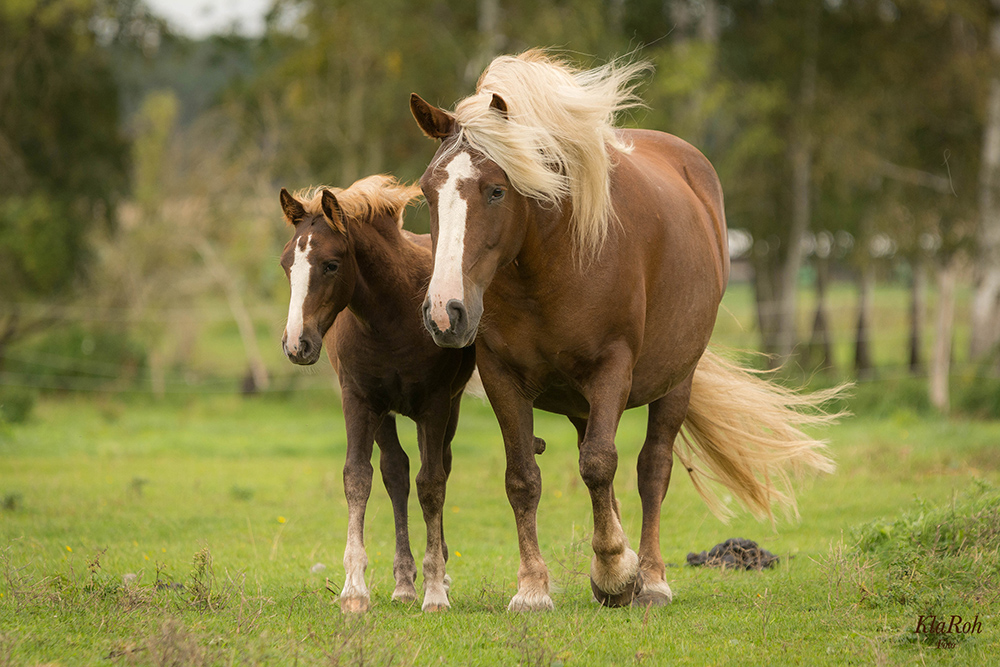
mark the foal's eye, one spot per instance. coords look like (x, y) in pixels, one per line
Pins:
(497, 194)
(331, 267)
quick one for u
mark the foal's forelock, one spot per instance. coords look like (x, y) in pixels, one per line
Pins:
(452, 209)
(298, 277)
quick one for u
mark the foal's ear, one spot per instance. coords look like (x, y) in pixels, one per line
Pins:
(292, 208)
(499, 104)
(436, 123)
(331, 209)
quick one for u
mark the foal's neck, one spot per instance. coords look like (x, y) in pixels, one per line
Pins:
(387, 279)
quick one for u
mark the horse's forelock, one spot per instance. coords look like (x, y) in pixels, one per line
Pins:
(554, 141)
(366, 198)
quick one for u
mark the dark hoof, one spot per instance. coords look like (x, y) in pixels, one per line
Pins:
(539, 445)
(650, 598)
(622, 599)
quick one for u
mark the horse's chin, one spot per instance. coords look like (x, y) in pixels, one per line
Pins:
(299, 361)
(452, 339)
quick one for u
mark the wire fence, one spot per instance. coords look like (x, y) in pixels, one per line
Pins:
(92, 370)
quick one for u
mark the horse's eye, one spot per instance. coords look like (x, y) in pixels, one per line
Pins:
(331, 267)
(497, 194)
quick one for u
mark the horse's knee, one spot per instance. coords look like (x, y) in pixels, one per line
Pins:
(358, 479)
(598, 464)
(523, 484)
(430, 486)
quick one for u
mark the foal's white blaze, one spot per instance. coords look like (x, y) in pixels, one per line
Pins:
(446, 283)
(298, 276)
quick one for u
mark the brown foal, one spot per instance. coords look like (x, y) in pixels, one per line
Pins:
(357, 281)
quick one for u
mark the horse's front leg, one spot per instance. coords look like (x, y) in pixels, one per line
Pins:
(523, 482)
(435, 430)
(614, 572)
(395, 467)
(361, 424)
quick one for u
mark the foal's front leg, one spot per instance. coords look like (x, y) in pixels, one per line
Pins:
(395, 467)
(434, 433)
(361, 425)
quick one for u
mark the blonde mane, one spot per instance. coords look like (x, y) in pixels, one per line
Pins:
(366, 198)
(556, 139)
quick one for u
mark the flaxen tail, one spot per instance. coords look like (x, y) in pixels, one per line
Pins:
(746, 433)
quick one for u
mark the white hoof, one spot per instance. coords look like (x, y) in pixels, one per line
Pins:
(614, 575)
(531, 601)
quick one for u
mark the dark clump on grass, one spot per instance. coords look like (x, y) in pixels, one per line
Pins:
(735, 553)
(936, 559)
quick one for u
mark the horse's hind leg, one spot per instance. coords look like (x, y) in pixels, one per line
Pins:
(395, 468)
(361, 425)
(433, 435)
(666, 416)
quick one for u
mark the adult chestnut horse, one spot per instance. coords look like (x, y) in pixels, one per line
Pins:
(588, 263)
(357, 281)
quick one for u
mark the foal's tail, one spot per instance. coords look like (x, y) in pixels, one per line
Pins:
(745, 433)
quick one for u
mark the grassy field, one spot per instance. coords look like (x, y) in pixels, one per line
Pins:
(210, 530)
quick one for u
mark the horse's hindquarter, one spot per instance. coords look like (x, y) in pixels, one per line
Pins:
(669, 199)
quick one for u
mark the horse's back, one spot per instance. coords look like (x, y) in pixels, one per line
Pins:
(664, 156)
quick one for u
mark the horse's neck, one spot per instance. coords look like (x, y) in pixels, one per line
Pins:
(383, 279)
(548, 242)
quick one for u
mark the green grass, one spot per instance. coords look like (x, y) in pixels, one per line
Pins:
(231, 504)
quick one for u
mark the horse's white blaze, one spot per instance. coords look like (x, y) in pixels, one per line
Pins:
(446, 282)
(298, 276)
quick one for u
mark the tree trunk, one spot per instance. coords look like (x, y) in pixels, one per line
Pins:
(491, 39)
(985, 334)
(820, 347)
(943, 333)
(258, 370)
(863, 365)
(801, 149)
(918, 313)
(766, 303)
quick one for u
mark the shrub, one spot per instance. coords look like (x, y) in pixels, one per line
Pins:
(16, 404)
(938, 555)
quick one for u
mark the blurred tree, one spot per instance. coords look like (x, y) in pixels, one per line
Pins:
(198, 226)
(985, 336)
(62, 155)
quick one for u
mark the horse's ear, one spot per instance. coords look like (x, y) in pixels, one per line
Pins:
(292, 208)
(499, 104)
(331, 209)
(435, 123)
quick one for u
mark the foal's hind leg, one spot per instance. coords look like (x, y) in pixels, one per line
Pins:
(434, 433)
(666, 416)
(395, 467)
(361, 425)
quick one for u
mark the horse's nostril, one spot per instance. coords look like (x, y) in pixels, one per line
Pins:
(304, 347)
(456, 314)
